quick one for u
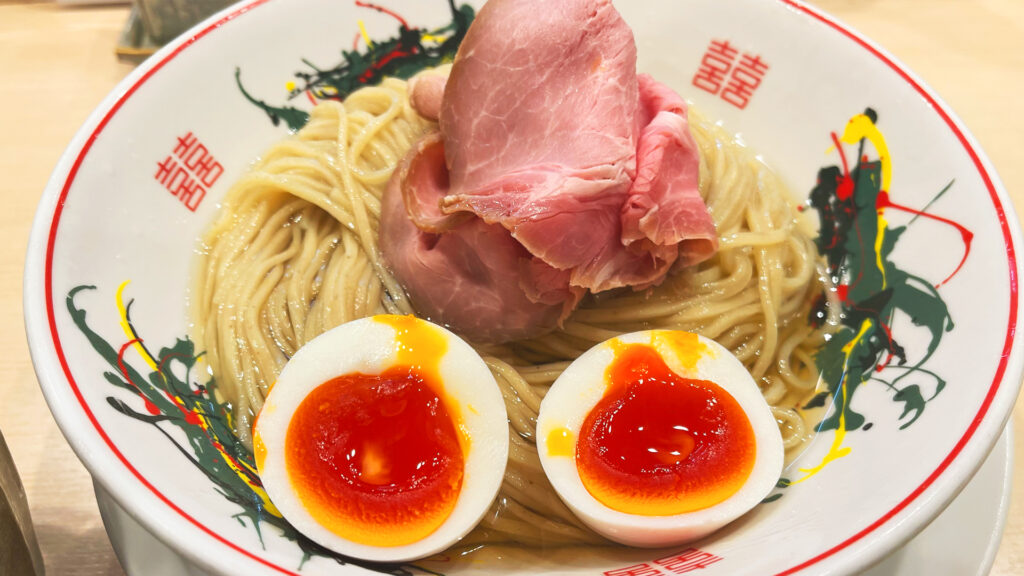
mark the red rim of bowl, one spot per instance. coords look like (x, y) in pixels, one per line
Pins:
(149, 69)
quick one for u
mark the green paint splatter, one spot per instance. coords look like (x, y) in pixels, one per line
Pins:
(172, 398)
(402, 56)
(857, 244)
(171, 394)
(293, 117)
(872, 290)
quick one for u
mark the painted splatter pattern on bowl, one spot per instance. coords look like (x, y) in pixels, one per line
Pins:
(401, 56)
(871, 289)
(855, 240)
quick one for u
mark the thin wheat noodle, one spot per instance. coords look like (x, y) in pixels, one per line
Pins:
(294, 253)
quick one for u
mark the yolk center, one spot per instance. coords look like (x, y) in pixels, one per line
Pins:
(376, 459)
(658, 444)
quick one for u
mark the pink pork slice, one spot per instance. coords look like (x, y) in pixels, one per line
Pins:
(470, 279)
(548, 134)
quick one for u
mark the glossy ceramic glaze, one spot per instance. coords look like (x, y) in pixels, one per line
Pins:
(107, 278)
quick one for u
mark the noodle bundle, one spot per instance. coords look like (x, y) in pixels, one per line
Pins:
(294, 253)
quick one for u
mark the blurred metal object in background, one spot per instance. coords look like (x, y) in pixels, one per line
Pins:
(19, 550)
(162, 20)
(153, 23)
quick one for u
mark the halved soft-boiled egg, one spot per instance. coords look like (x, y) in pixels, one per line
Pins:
(384, 439)
(657, 438)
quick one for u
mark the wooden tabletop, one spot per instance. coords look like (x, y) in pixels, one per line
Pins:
(57, 63)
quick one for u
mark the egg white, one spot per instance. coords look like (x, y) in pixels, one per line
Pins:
(369, 347)
(575, 393)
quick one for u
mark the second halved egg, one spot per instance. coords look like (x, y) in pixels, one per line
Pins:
(656, 438)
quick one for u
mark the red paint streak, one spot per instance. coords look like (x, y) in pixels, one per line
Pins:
(994, 387)
(253, 479)
(844, 192)
(845, 187)
(48, 285)
(389, 57)
(883, 202)
(190, 417)
(309, 95)
(383, 10)
(396, 53)
(843, 293)
(355, 41)
(842, 153)
(888, 358)
(150, 406)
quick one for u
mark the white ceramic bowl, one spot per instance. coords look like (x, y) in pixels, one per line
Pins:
(792, 77)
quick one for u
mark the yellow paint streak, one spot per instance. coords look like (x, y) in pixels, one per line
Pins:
(879, 239)
(561, 442)
(432, 38)
(260, 456)
(364, 34)
(204, 423)
(837, 450)
(858, 128)
(861, 127)
(268, 506)
(126, 327)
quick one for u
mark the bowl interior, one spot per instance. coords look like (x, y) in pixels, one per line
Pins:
(107, 280)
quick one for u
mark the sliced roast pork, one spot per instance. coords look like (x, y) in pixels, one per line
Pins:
(556, 169)
(476, 278)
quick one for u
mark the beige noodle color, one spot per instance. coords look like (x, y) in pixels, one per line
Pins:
(294, 253)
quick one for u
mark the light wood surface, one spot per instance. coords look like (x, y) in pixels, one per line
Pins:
(56, 64)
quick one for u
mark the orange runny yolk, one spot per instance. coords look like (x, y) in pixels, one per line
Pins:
(658, 444)
(378, 459)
